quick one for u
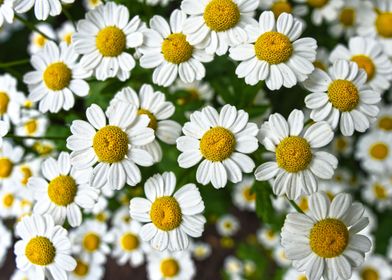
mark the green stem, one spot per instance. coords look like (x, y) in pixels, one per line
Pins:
(32, 27)
(296, 207)
(14, 63)
(13, 136)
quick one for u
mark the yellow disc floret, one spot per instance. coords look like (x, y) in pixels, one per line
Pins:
(273, 47)
(380, 191)
(248, 194)
(176, 49)
(170, 267)
(40, 251)
(6, 167)
(110, 144)
(4, 100)
(347, 17)
(8, 200)
(329, 238)
(57, 76)
(217, 144)
(153, 120)
(27, 173)
(129, 242)
(379, 151)
(31, 126)
(221, 15)
(81, 269)
(317, 3)
(343, 95)
(62, 190)
(384, 24)
(369, 273)
(364, 62)
(111, 41)
(293, 154)
(40, 40)
(279, 7)
(385, 123)
(91, 242)
(166, 213)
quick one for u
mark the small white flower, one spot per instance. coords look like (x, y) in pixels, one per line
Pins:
(10, 156)
(37, 40)
(32, 123)
(200, 250)
(384, 119)
(42, 8)
(10, 99)
(243, 196)
(268, 237)
(323, 9)
(92, 4)
(279, 256)
(65, 32)
(86, 270)
(374, 267)
(378, 192)
(227, 225)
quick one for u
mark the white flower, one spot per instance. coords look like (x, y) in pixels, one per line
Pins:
(200, 250)
(275, 53)
(86, 270)
(103, 38)
(292, 274)
(10, 99)
(299, 165)
(227, 225)
(65, 32)
(32, 123)
(168, 50)
(6, 11)
(322, 58)
(268, 237)
(121, 216)
(342, 94)
(63, 190)
(42, 8)
(4, 128)
(92, 4)
(10, 156)
(233, 267)
(221, 141)
(325, 242)
(243, 196)
(378, 192)
(111, 148)
(280, 257)
(153, 104)
(198, 91)
(323, 9)
(170, 218)
(45, 248)
(374, 267)
(10, 201)
(342, 145)
(57, 78)
(37, 41)
(282, 6)
(384, 119)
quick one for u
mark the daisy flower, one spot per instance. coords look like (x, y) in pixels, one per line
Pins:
(227, 225)
(86, 270)
(197, 91)
(4, 128)
(268, 237)
(221, 141)
(10, 156)
(384, 119)
(32, 123)
(121, 216)
(378, 192)
(374, 151)
(368, 54)
(200, 250)
(37, 40)
(169, 218)
(325, 242)
(92, 4)
(42, 8)
(152, 104)
(243, 196)
(233, 267)
(323, 9)
(103, 38)
(279, 7)
(279, 256)
(65, 32)
(342, 145)
(10, 202)
(63, 190)
(10, 99)
(374, 267)
(275, 53)
(45, 248)
(342, 94)
(57, 78)
(299, 164)
(111, 148)
(169, 51)
(6, 11)
(322, 58)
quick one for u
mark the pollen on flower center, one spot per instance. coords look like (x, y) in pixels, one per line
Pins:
(379, 151)
(169, 267)
(62, 190)
(91, 242)
(317, 3)
(129, 242)
(280, 7)
(176, 49)
(40, 40)
(364, 62)
(4, 100)
(221, 15)
(248, 194)
(328, 238)
(153, 120)
(8, 200)
(380, 191)
(111, 41)
(369, 273)
(110, 144)
(217, 144)
(40, 251)
(347, 17)
(293, 154)
(57, 76)
(81, 268)
(31, 126)
(384, 24)
(273, 47)
(343, 95)
(385, 123)
(166, 213)
(27, 173)
(6, 167)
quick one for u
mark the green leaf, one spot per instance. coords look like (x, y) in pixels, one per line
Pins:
(264, 209)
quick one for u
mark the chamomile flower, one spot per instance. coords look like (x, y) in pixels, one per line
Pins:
(325, 242)
(368, 54)
(374, 267)
(121, 216)
(299, 164)
(279, 7)
(10, 99)
(327, 10)
(10, 156)
(103, 38)
(200, 250)
(268, 237)
(4, 128)
(63, 190)
(197, 91)
(342, 145)
(92, 4)
(10, 202)
(86, 270)
(111, 148)
(168, 50)
(57, 78)
(32, 123)
(342, 94)
(374, 151)
(45, 248)
(378, 192)
(221, 141)
(152, 104)
(5, 242)
(217, 25)
(280, 257)
(233, 267)
(170, 218)
(275, 53)
(322, 58)
(37, 40)
(65, 32)
(227, 225)
(42, 8)
(292, 274)
(6, 11)
(384, 119)
(243, 196)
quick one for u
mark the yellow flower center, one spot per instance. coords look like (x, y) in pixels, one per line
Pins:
(129, 242)
(62, 190)
(317, 3)
(380, 191)
(166, 213)
(385, 123)
(280, 7)
(271, 234)
(303, 204)
(57, 76)
(221, 15)
(176, 49)
(68, 38)
(379, 151)
(153, 120)
(343, 95)
(4, 100)
(111, 41)
(169, 267)
(81, 268)
(328, 238)
(273, 47)
(6, 167)
(31, 126)
(248, 194)
(8, 200)
(369, 273)
(110, 144)
(302, 277)
(365, 62)
(384, 24)
(40, 40)
(347, 17)
(341, 144)
(101, 216)
(42, 148)
(217, 144)
(91, 242)
(40, 251)
(293, 154)
(318, 64)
